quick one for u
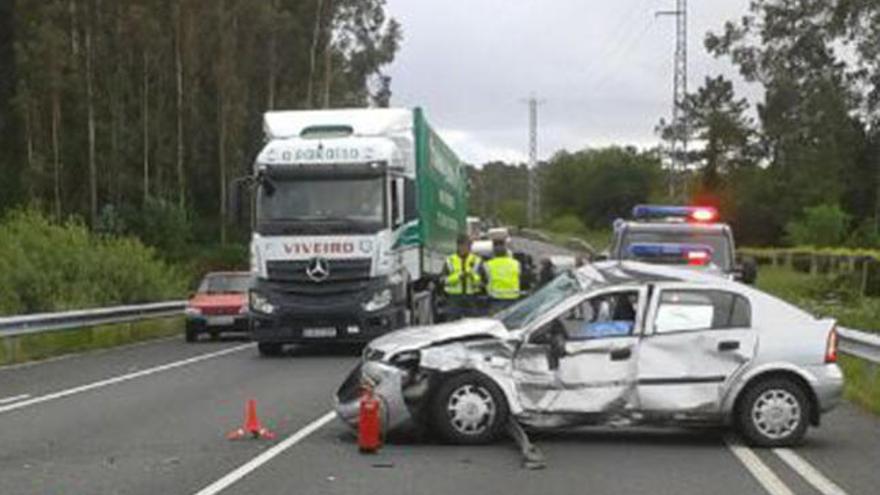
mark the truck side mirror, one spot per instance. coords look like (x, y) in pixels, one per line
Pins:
(234, 207)
(396, 203)
(747, 272)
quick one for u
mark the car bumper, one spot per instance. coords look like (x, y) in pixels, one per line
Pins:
(827, 385)
(387, 383)
(200, 324)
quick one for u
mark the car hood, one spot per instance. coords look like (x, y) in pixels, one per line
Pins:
(419, 337)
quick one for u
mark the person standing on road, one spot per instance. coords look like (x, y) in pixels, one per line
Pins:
(463, 282)
(502, 277)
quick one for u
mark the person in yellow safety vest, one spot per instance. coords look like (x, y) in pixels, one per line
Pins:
(463, 282)
(502, 274)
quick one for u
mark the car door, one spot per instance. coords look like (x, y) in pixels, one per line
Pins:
(580, 373)
(695, 339)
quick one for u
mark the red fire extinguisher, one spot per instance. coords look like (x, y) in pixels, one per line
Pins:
(369, 422)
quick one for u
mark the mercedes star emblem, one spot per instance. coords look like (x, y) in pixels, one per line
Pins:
(318, 270)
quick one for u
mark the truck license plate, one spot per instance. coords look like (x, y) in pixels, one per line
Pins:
(319, 333)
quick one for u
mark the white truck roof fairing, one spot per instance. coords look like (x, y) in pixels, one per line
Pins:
(385, 135)
(363, 121)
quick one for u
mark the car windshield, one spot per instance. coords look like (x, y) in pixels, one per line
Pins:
(531, 308)
(715, 240)
(346, 202)
(225, 284)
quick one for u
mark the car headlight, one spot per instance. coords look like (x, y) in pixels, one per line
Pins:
(406, 359)
(243, 310)
(192, 311)
(380, 300)
(261, 304)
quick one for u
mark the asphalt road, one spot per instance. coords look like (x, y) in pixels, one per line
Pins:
(152, 418)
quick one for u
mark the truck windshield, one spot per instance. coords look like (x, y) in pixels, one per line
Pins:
(319, 205)
(531, 308)
(715, 240)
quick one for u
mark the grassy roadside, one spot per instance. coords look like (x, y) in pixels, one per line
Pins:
(45, 345)
(830, 296)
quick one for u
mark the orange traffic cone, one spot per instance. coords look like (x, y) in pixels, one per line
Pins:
(251, 426)
(369, 423)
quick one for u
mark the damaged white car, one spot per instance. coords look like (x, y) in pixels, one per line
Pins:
(612, 343)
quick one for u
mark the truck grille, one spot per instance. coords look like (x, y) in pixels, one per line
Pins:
(355, 270)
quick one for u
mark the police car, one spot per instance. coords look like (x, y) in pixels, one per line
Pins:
(680, 235)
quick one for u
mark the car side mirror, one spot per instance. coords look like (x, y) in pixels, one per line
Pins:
(747, 272)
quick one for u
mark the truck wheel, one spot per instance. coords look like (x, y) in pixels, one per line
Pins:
(469, 409)
(773, 413)
(269, 349)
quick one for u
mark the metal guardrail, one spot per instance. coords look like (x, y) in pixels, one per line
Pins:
(14, 326)
(859, 344)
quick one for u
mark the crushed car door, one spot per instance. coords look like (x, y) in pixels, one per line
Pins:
(583, 360)
(695, 340)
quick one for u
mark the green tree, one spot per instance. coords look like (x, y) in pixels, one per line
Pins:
(600, 185)
(821, 226)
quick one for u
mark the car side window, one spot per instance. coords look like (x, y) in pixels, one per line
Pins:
(694, 310)
(605, 315)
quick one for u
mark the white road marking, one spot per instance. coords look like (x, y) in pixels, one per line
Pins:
(819, 481)
(250, 466)
(120, 379)
(767, 478)
(16, 398)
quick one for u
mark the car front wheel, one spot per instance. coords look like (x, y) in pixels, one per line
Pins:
(774, 413)
(469, 408)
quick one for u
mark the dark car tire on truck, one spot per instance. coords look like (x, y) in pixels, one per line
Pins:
(469, 409)
(270, 349)
(773, 413)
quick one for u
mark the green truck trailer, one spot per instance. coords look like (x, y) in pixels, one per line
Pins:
(355, 212)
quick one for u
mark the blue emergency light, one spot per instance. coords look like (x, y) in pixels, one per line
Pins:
(693, 254)
(692, 213)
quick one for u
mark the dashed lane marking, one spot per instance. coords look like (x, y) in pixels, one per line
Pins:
(119, 379)
(812, 475)
(760, 471)
(16, 398)
(252, 465)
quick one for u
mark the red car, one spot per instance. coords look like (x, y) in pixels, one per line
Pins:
(219, 305)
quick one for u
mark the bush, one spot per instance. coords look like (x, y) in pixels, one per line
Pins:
(567, 224)
(55, 267)
(821, 226)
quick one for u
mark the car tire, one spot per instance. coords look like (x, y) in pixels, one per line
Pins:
(191, 335)
(468, 409)
(270, 349)
(773, 413)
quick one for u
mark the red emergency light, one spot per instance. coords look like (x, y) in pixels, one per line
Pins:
(704, 214)
(698, 258)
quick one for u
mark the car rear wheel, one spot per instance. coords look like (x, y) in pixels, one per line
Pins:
(774, 413)
(269, 349)
(469, 408)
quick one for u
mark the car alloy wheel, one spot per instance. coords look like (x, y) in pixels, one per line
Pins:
(468, 408)
(776, 414)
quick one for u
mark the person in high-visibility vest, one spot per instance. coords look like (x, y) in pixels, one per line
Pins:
(502, 274)
(462, 280)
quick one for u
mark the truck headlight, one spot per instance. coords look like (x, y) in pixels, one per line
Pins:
(380, 300)
(261, 304)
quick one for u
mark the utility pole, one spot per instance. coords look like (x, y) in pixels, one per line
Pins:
(679, 141)
(534, 192)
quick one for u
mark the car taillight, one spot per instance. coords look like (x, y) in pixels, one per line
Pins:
(831, 346)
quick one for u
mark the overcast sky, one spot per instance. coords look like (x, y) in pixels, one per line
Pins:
(603, 67)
